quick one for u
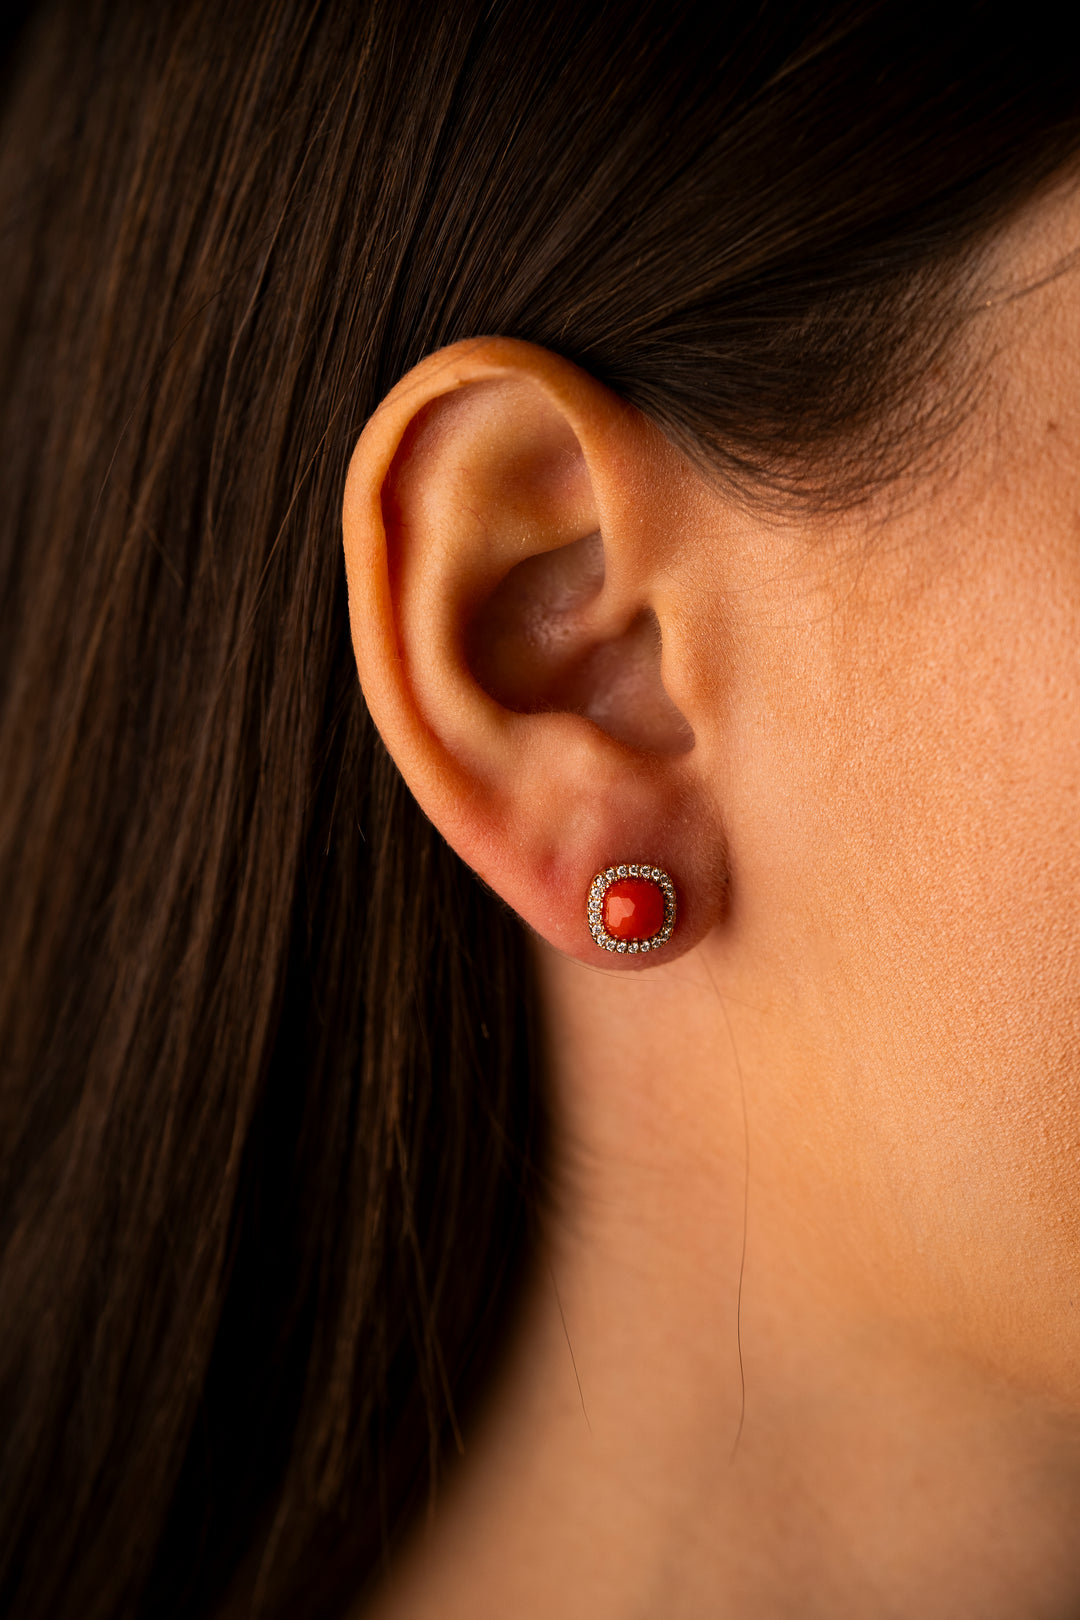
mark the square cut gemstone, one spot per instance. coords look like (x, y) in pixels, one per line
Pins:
(634, 909)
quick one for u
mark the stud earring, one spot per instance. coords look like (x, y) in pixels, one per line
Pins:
(631, 909)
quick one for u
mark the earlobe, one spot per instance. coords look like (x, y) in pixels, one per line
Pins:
(504, 585)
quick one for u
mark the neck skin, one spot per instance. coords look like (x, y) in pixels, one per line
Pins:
(699, 1415)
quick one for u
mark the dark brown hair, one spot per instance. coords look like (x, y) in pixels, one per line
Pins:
(271, 1123)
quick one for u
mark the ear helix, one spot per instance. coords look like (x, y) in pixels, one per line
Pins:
(631, 908)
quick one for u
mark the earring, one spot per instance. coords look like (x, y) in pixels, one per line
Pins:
(631, 909)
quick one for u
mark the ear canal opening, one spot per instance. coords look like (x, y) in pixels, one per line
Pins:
(534, 647)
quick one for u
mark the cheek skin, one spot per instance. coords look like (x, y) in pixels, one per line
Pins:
(958, 874)
(904, 807)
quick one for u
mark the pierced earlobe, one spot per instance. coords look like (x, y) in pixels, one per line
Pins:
(631, 909)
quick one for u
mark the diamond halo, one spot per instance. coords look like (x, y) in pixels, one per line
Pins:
(599, 887)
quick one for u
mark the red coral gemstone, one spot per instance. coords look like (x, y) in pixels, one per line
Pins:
(634, 908)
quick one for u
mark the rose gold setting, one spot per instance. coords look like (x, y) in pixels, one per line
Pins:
(602, 882)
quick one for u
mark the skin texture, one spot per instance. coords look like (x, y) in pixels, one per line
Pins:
(805, 1335)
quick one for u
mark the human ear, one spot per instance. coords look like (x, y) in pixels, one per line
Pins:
(508, 527)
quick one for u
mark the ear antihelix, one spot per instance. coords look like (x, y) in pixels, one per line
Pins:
(632, 908)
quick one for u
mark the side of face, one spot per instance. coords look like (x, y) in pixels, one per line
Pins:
(901, 780)
(854, 740)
